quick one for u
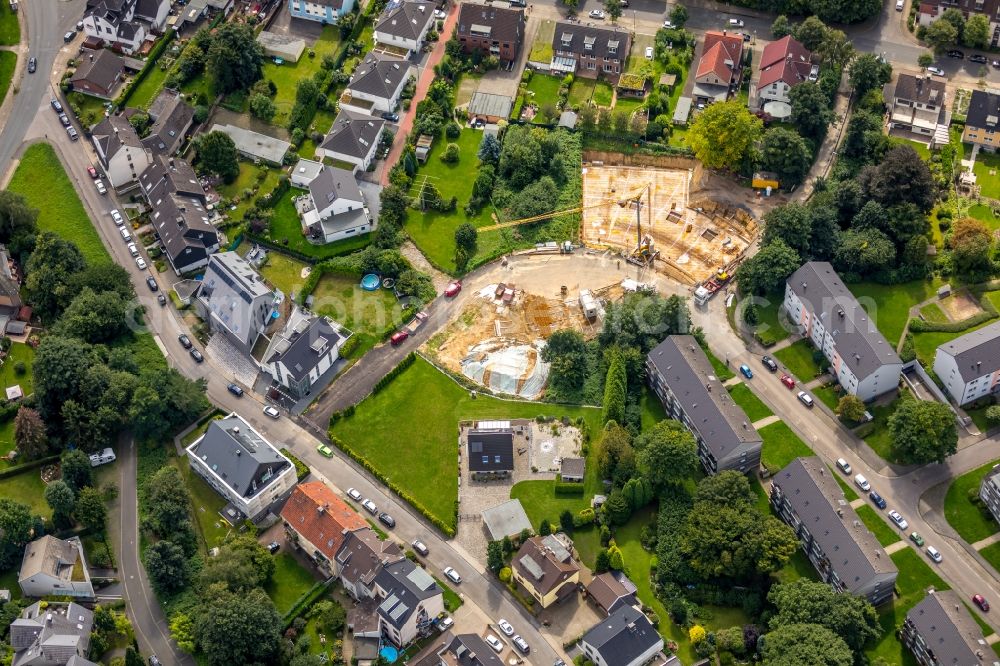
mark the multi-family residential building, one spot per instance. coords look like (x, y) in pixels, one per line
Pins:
(544, 567)
(931, 10)
(319, 521)
(982, 121)
(940, 630)
(376, 84)
(969, 366)
(180, 214)
(989, 491)
(360, 559)
(327, 12)
(52, 634)
(122, 155)
(918, 107)
(408, 601)
(404, 25)
(720, 68)
(783, 65)
(242, 466)
(302, 352)
(98, 74)
(590, 51)
(353, 138)
(492, 30)
(56, 567)
(333, 207)
(464, 650)
(124, 24)
(625, 638)
(845, 554)
(235, 301)
(826, 312)
(684, 380)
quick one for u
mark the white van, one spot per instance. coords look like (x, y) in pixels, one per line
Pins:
(102, 458)
(899, 5)
(126, 236)
(861, 482)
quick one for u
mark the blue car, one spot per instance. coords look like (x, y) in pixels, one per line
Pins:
(746, 371)
(875, 497)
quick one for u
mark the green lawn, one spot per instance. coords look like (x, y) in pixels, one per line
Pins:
(932, 312)
(243, 191)
(540, 502)
(873, 521)
(991, 554)
(829, 395)
(770, 325)
(206, 504)
(988, 182)
(545, 87)
(8, 377)
(368, 313)
(798, 358)
(288, 74)
(722, 371)
(751, 404)
(603, 93)
(427, 466)
(40, 178)
(993, 297)
(629, 104)
(290, 581)
(452, 600)
(978, 416)
(91, 109)
(286, 229)
(926, 344)
(879, 437)
(10, 29)
(541, 48)
(150, 87)
(798, 567)
(844, 485)
(283, 272)
(652, 408)
(915, 574)
(6, 437)
(8, 62)
(27, 488)
(781, 446)
(581, 91)
(322, 122)
(971, 523)
(985, 214)
(889, 305)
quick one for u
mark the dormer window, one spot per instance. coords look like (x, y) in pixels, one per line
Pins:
(567, 39)
(588, 43)
(612, 47)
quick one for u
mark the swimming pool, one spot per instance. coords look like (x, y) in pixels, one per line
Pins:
(370, 282)
(389, 653)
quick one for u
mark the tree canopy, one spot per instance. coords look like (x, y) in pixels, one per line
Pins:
(809, 602)
(766, 271)
(721, 136)
(216, 153)
(668, 454)
(235, 57)
(805, 645)
(923, 431)
(237, 628)
(786, 153)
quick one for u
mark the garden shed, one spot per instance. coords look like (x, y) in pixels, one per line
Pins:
(285, 47)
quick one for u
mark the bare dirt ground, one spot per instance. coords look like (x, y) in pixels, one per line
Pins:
(419, 261)
(960, 305)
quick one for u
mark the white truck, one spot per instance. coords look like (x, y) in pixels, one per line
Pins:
(102, 457)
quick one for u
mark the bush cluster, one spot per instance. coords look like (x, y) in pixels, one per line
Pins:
(301, 469)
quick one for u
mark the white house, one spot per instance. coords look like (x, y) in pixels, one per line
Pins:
(125, 23)
(405, 25)
(826, 312)
(408, 601)
(624, 638)
(55, 567)
(783, 65)
(376, 84)
(302, 352)
(333, 207)
(242, 466)
(327, 12)
(121, 152)
(353, 138)
(234, 300)
(969, 366)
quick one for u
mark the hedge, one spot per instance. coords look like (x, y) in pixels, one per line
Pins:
(301, 469)
(921, 326)
(17, 469)
(303, 603)
(567, 489)
(151, 60)
(392, 374)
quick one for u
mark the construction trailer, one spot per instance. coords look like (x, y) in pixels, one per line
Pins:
(588, 304)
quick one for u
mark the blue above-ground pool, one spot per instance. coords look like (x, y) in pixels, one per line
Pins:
(370, 282)
(389, 653)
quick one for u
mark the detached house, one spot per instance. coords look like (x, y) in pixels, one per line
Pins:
(124, 24)
(319, 521)
(545, 569)
(720, 67)
(624, 638)
(590, 51)
(299, 355)
(969, 365)
(352, 138)
(826, 312)
(333, 207)
(408, 601)
(53, 634)
(98, 74)
(612, 590)
(495, 31)
(491, 449)
(376, 85)
(172, 119)
(55, 567)
(121, 152)
(327, 12)
(404, 25)
(919, 107)
(234, 300)
(982, 122)
(783, 65)
(242, 466)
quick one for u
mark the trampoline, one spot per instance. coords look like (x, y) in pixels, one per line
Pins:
(370, 282)
(389, 654)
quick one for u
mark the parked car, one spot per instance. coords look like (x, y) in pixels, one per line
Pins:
(32, 65)
(73, 136)
(899, 5)
(151, 283)
(235, 390)
(955, 53)
(843, 466)
(369, 506)
(132, 249)
(386, 519)
(452, 575)
(141, 263)
(447, 622)
(419, 547)
(861, 482)
(506, 627)
(438, 14)
(92, 172)
(649, 53)
(125, 234)
(56, 105)
(184, 340)
(390, 116)
(324, 450)
(492, 640)
(788, 381)
(596, 14)
(354, 494)
(769, 363)
(735, 23)
(995, 63)
(746, 371)
(521, 644)
(117, 217)
(668, 24)
(102, 457)
(934, 554)
(879, 501)
(272, 412)
(68, 37)
(978, 59)
(99, 184)
(162, 300)
(898, 519)
(452, 289)
(917, 539)
(398, 338)
(153, 661)
(806, 399)
(64, 119)
(273, 547)
(980, 601)
(936, 71)
(196, 355)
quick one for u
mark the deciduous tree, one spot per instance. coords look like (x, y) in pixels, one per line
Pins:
(805, 645)
(972, 250)
(811, 112)
(237, 629)
(728, 488)
(767, 270)
(30, 437)
(923, 431)
(808, 602)
(50, 271)
(667, 455)
(566, 353)
(90, 509)
(16, 525)
(235, 57)
(217, 154)
(722, 135)
(167, 566)
(940, 35)
(868, 72)
(977, 32)
(76, 470)
(786, 153)
(850, 408)
(864, 251)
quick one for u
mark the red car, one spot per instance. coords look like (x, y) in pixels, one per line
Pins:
(398, 337)
(980, 601)
(788, 381)
(452, 289)
(92, 172)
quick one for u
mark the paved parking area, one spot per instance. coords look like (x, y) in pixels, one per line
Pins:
(284, 24)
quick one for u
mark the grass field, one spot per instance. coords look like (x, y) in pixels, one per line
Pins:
(368, 313)
(545, 89)
(798, 358)
(540, 502)
(721, 369)
(781, 446)
(991, 554)
(8, 377)
(581, 91)
(971, 523)
(988, 182)
(40, 178)
(27, 488)
(985, 214)
(932, 312)
(8, 62)
(926, 343)
(751, 404)
(288, 74)
(287, 230)
(541, 48)
(150, 87)
(205, 502)
(6, 439)
(879, 438)
(10, 29)
(769, 323)
(427, 466)
(848, 488)
(889, 305)
(283, 272)
(603, 93)
(873, 521)
(829, 395)
(247, 180)
(290, 581)
(652, 408)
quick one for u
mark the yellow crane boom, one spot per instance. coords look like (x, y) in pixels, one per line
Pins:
(621, 201)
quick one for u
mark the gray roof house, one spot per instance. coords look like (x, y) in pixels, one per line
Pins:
(333, 207)
(846, 555)
(235, 301)
(121, 152)
(680, 373)
(969, 365)
(573, 469)
(51, 636)
(940, 630)
(376, 84)
(404, 24)
(172, 118)
(360, 559)
(825, 311)
(490, 448)
(352, 138)
(624, 638)
(300, 355)
(52, 566)
(242, 466)
(304, 171)
(98, 75)
(467, 650)
(409, 600)
(612, 590)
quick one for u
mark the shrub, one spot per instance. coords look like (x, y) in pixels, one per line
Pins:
(301, 469)
(584, 517)
(697, 634)
(569, 489)
(451, 154)
(19, 368)
(920, 326)
(452, 130)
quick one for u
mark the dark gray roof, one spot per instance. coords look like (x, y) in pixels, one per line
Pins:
(303, 342)
(236, 295)
(406, 20)
(332, 184)
(807, 484)
(601, 40)
(858, 341)
(496, 447)
(147, 9)
(921, 89)
(949, 630)
(101, 70)
(623, 636)
(379, 75)
(406, 585)
(37, 641)
(469, 650)
(504, 24)
(976, 353)
(114, 132)
(363, 554)
(179, 215)
(984, 109)
(353, 134)
(104, 8)
(244, 460)
(722, 424)
(171, 119)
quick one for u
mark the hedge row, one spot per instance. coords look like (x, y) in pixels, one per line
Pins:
(151, 60)
(301, 469)
(921, 326)
(303, 603)
(17, 469)
(567, 489)
(448, 530)
(392, 374)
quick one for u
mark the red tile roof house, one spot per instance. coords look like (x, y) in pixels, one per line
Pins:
(319, 522)
(783, 65)
(720, 68)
